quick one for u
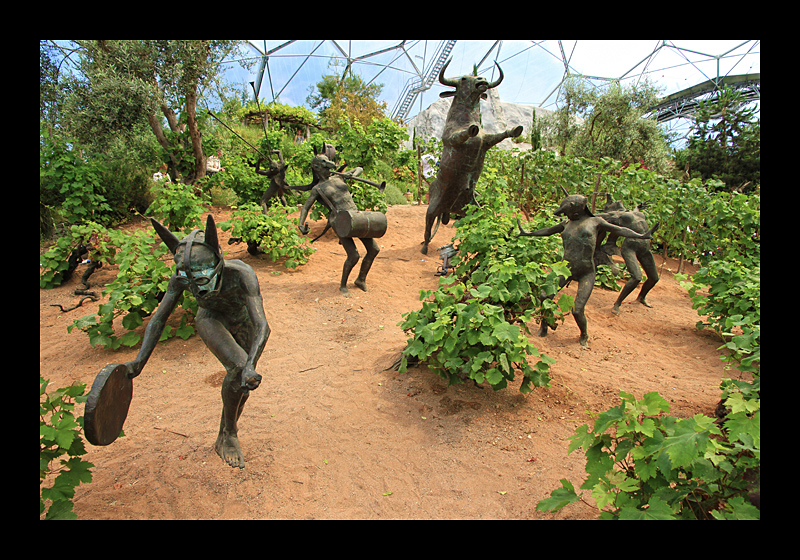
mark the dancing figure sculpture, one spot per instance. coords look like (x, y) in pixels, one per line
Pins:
(345, 218)
(579, 235)
(633, 251)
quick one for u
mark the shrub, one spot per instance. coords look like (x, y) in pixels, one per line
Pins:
(644, 465)
(474, 327)
(275, 233)
(59, 436)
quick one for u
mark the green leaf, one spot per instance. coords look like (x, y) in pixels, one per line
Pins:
(132, 320)
(61, 510)
(130, 338)
(739, 425)
(559, 497)
(581, 438)
(655, 509)
(185, 331)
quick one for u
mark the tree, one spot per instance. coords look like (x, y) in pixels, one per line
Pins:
(613, 123)
(726, 142)
(348, 98)
(130, 82)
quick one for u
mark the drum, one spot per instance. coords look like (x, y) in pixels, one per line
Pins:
(360, 224)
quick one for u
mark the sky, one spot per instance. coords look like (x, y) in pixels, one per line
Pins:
(533, 69)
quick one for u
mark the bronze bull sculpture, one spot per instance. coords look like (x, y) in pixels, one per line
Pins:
(465, 146)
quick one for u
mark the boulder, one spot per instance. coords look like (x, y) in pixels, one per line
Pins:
(496, 116)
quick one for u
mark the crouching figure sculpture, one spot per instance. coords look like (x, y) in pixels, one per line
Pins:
(230, 320)
(465, 146)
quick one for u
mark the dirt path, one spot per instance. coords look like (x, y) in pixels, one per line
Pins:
(330, 435)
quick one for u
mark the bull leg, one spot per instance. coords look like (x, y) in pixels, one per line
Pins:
(429, 218)
(434, 211)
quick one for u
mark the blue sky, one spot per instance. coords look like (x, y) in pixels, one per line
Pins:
(533, 68)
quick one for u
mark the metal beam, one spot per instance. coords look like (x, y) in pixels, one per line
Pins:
(685, 103)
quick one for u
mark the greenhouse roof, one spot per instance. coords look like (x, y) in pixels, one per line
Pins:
(534, 70)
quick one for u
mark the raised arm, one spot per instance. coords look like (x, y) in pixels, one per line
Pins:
(626, 232)
(552, 230)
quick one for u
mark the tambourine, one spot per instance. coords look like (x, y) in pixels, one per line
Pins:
(107, 404)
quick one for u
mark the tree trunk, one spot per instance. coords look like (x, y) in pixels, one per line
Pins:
(155, 124)
(195, 135)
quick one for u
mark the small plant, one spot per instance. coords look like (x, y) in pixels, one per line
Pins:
(475, 325)
(140, 284)
(463, 336)
(274, 233)
(727, 293)
(60, 436)
(642, 464)
(54, 263)
(70, 181)
(178, 206)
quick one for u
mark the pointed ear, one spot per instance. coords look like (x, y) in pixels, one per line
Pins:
(166, 236)
(211, 233)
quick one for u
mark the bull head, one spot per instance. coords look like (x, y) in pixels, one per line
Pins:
(467, 84)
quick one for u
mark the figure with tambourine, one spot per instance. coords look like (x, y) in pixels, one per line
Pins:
(230, 320)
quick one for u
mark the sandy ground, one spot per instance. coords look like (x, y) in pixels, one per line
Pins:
(331, 434)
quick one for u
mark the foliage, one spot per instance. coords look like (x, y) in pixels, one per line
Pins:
(725, 142)
(241, 178)
(275, 233)
(126, 84)
(69, 181)
(346, 99)
(475, 324)
(614, 127)
(608, 122)
(60, 436)
(463, 336)
(365, 145)
(728, 294)
(54, 262)
(140, 284)
(276, 111)
(177, 206)
(697, 221)
(642, 464)
(393, 195)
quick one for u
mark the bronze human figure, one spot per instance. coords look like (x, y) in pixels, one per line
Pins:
(332, 191)
(230, 320)
(633, 251)
(579, 234)
(277, 176)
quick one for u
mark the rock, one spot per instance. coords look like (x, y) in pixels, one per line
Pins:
(496, 116)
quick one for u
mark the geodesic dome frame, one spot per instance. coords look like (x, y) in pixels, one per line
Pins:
(686, 71)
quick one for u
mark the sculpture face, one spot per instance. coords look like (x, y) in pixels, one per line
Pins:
(573, 207)
(198, 257)
(202, 269)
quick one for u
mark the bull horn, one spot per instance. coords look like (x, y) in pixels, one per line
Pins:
(446, 81)
(565, 190)
(500, 79)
